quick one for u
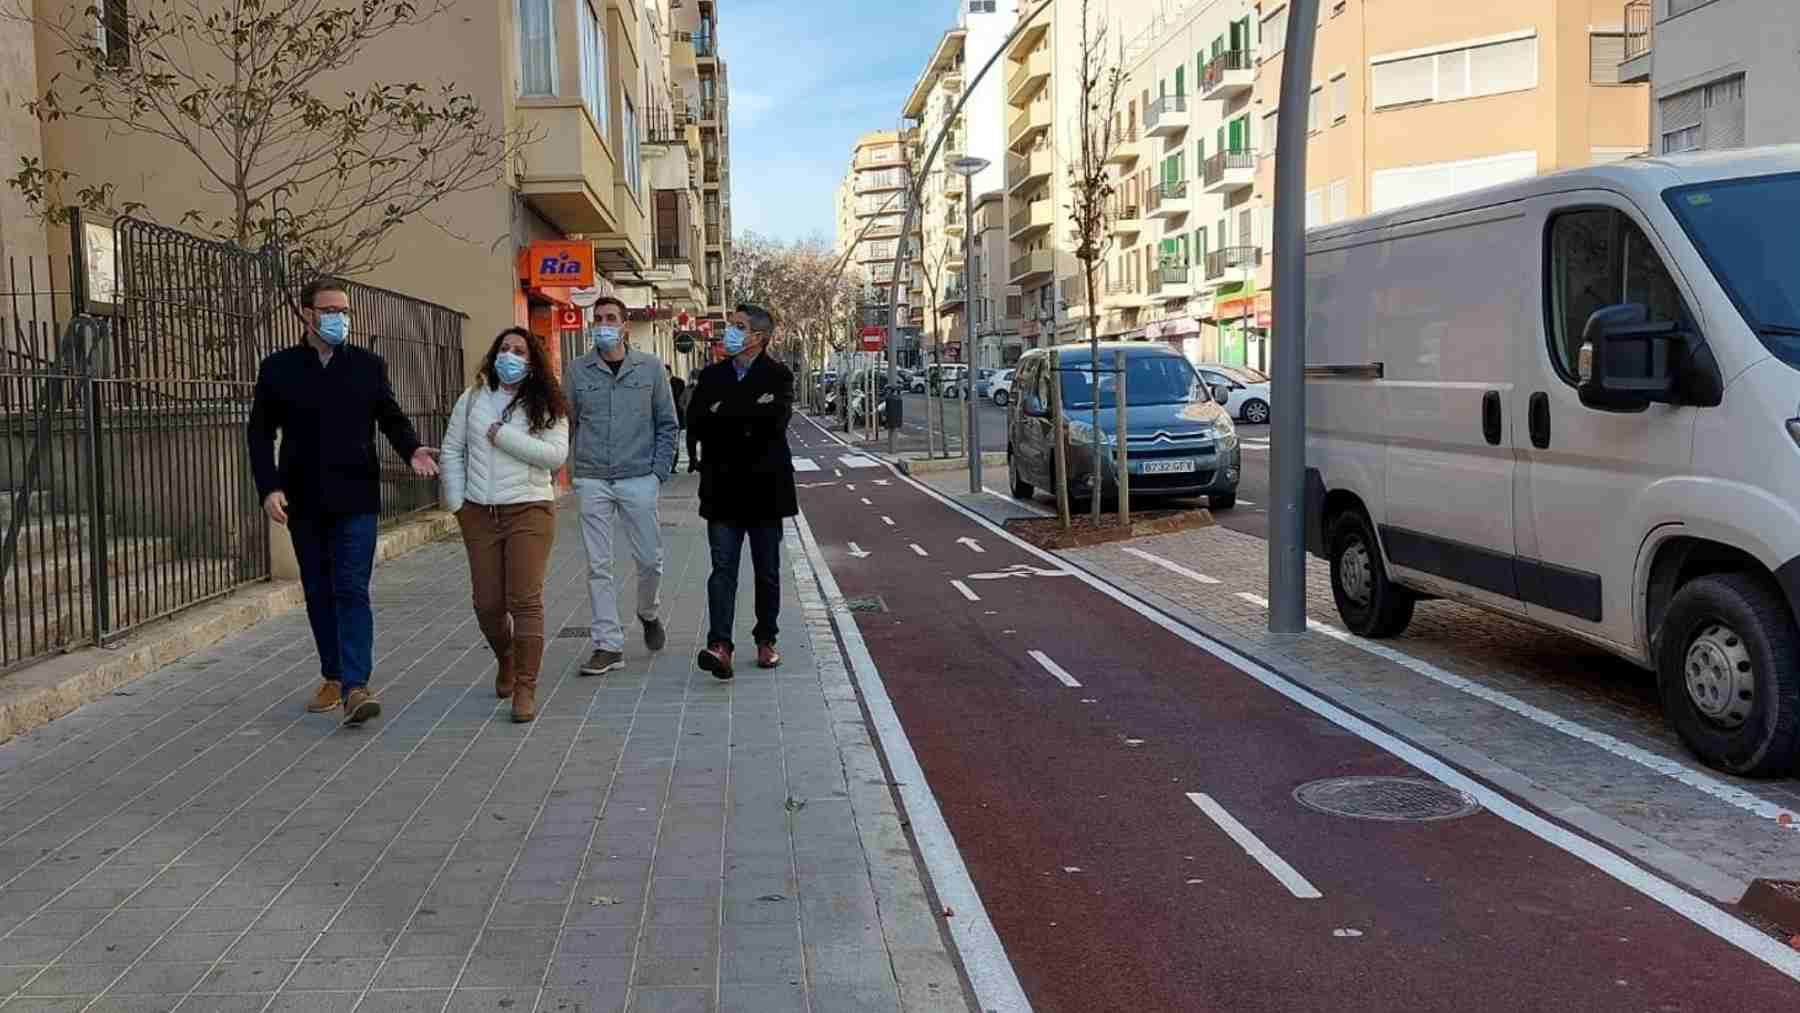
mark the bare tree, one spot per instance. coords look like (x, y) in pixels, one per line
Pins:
(1091, 191)
(250, 92)
(799, 282)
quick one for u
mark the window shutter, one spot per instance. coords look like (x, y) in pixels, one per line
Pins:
(1605, 53)
(1340, 201)
(1503, 67)
(1400, 82)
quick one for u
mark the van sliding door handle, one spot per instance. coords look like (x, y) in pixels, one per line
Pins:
(1490, 417)
(1540, 420)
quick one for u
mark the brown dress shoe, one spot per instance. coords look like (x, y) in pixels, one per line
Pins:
(717, 660)
(767, 656)
(359, 706)
(602, 662)
(504, 676)
(326, 698)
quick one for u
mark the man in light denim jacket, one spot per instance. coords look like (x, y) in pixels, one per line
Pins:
(622, 448)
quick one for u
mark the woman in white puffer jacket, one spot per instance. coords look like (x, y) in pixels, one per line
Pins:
(507, 437)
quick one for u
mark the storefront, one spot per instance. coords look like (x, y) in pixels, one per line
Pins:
(555, 277)
(1242, 318)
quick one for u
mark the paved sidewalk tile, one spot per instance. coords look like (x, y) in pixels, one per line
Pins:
(656, 840)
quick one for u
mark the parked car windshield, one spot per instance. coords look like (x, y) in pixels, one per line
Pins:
(1241, 374)
(1744, 229)
(1150, 380)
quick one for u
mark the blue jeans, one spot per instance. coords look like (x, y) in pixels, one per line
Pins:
(337, 556)
(721, 588)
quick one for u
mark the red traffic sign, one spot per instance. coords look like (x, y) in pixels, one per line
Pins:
(872, 338)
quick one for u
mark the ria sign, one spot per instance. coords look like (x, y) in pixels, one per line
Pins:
(560, 265)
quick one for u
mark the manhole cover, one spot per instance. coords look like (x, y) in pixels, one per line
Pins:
(1386, 798)
(866, 603)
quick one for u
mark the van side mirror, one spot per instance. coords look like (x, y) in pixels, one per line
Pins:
(1626, 362)
(1221, 394)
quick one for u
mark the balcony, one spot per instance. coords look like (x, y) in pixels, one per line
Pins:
(875, 182)
(1228, 172)
(1226, 259)
(1029, 38)
(570, 178)
(1640, 39)
(1030, 77)
(1030, 220)
(712, 233)
(705, 46)
(1023, 171)
(709, 111)
(1169, 200)
(1167, 116)
(953, 221)
(1127, 152)
(954, 185)
(1174, 280)
(1127, 220)
(952, 80)
(884, 228)
(1228, 75)
(953, 297)
(1032, 268)
(1123, 295)
(1026, 127)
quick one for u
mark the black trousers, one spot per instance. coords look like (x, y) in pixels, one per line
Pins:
(727, 542)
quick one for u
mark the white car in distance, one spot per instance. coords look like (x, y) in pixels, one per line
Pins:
(1249, 390)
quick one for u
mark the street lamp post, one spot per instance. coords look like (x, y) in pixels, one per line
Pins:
(967, 167)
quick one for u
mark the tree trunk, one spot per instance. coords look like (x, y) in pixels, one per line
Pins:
(1060, 443)
(1099, 447)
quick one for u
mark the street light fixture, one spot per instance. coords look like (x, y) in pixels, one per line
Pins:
(967, 167)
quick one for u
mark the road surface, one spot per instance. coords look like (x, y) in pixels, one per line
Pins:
(1123, 799)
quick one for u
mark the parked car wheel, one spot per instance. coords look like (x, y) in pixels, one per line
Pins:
(1256, 411)
(1728, 666)
(1224, 501)
(1369, 603)
(1000, 398)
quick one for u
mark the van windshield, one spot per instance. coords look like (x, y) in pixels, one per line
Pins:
(1744, 229)
(1150, 380)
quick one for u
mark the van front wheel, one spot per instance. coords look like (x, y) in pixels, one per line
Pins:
(1728, 667)
(1369, 603)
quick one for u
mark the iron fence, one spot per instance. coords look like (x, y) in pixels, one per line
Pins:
(125, 486)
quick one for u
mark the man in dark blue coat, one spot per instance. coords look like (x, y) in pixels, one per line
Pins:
(326, 398)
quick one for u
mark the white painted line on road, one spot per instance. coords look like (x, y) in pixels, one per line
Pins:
(966, 591)
(805, 464)
(850, 486)
(919, 549)
(991, 974)
(1054, 669)
(858, 461)
(1700, 912)
(889, 521)
(1172, 567)
(1027, 504)
(1255, 599)
(1254, 847)
(1241, 502)
(971, 544)
(865, 501)
(859, 552)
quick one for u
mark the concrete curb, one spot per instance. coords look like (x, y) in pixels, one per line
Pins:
(40, 694)
(929, 465)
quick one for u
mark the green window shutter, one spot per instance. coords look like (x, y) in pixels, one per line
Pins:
(1181, 80)
(1184, 249)
(1218, 45)
(1238, 129)
(1200, 244)
(1199, 155)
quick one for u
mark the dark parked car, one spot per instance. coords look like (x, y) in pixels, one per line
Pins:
(1180, 441)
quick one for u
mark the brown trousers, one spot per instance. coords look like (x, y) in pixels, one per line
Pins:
(509, 547)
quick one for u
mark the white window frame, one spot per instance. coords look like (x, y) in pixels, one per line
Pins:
(1314, 100)
(1272, 42)
(634, 174)
(1271, 130)
(1340, 97)
(596, 88)
(519, 46)
(1465, 48)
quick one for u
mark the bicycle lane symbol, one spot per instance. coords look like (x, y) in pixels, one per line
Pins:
(1025, 570)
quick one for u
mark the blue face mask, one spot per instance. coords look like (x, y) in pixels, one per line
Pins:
(607, 337)
(735, 339)
(510, 367)
(334, 328)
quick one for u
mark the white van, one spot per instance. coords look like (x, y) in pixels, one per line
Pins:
(1575, 399)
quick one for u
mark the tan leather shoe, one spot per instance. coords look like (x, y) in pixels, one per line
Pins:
(360, 706)
(767, 656)
(326, 698)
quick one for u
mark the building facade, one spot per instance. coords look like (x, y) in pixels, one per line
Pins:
(1720, 72)
(594, 84)
(871, 214)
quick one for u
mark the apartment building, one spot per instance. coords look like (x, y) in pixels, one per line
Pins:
(1042, 69)
(672, 293)
(1414, 100)
(582, 78)
(20, 137)
(1720, 72)
(871, 213)
(715, 144)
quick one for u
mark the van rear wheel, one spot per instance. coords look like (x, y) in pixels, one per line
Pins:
(1370, 604)
(1728, 667)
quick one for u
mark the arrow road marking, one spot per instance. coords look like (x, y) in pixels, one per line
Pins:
(1296, 884)
(858, 551)
(1170, 566)
(1054, 669)
(812, 485)
(881, 481)
(964, 588)
(971, 544)
(918, 549)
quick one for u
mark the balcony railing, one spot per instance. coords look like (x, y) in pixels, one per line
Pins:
(1639, 29)
(705, 46)
(1213, 74)
(1165, 108)
(712, 233)
(1215, 167)
(671, 251)
(709, 109)
(1227, 258)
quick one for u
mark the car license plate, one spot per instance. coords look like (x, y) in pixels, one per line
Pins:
(1173, 466)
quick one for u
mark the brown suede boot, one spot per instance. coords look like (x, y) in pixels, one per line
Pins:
(504, 677)
(527, 655)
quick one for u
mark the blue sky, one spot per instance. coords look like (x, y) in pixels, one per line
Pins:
(806, 81)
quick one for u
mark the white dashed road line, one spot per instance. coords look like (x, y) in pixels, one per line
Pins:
(1170, 566)
(966, 592)
(919, 549)
(1054, 669)
(889, 521)
(1254, 847)
(805, 464)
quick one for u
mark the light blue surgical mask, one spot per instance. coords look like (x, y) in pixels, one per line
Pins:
(735, 340)
(511, 367)
(607, 337)
(334, 328)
